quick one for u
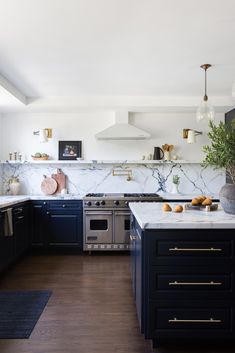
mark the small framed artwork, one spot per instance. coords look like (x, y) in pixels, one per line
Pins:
(70, 150)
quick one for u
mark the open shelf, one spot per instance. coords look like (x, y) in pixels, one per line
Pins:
(94, 161)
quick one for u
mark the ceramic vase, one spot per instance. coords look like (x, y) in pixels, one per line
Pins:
(227, 198)
(175, 189)
(14, 188)
(167, 155)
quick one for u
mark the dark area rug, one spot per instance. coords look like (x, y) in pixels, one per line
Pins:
(20, 311)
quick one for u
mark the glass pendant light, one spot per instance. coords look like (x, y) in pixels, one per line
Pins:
(205, 111)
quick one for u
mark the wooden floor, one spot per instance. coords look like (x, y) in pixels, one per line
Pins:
(91, 308)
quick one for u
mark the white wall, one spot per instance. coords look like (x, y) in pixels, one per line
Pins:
(16, 134)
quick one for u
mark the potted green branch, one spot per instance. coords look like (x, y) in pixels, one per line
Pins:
(221, 154)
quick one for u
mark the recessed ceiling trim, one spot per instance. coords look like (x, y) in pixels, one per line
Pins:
(11, 89)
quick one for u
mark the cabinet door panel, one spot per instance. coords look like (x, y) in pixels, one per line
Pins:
(21, 229)
(184, 319)
(38, 225)
(193, 319)
(63, 229)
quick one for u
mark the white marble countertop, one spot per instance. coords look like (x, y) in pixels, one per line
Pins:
(8, 200)
(180, 196)
(149, 215)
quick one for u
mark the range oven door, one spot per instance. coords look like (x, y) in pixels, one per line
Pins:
(99, 227)
(121, 227)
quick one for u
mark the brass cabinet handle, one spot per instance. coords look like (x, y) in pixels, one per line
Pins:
(20, 217)
(132, 237)
(195, 249)
(211, 320)
(211, 283)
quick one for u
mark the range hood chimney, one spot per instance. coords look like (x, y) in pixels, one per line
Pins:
(122, 130)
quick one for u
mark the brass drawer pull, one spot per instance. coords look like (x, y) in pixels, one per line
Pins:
(211, 283)
(132, 237)
(195, 249)
(211, 320)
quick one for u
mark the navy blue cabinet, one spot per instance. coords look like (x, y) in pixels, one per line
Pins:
(21, 229)
(38, 223)
(136, 268)
(57, 224)
(6, 245)
(13, 246)
(184, 284)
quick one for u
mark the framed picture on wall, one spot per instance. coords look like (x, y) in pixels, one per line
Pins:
(70, 150)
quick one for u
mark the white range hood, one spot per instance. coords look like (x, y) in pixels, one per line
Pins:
(122, 130)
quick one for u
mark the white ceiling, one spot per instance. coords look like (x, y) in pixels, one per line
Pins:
(117, 47)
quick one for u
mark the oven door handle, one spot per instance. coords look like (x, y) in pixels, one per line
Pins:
(97, 213)
(116, 213)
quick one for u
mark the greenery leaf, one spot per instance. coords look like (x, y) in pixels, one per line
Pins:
(221, 152)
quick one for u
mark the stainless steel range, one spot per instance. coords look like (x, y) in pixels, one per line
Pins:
(106, 220)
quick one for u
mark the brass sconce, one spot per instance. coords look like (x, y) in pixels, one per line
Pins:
(44, 134)
(190, 135)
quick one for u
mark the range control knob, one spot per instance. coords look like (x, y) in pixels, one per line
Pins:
(88, 203)
(97, 203)
(116, 203)
(102, 203)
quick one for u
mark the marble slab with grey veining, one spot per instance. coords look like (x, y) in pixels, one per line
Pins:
(150, 216)
(98, 178)
(7, 201)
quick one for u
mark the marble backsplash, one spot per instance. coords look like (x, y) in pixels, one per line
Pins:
(90, 178)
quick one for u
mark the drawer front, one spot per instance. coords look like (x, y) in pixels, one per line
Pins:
(63, 205)
(177, 252)
(193, 282)
(195, 319)
(193, 248)
(190, 318)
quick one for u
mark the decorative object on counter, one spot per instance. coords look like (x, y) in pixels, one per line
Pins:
(175, 186)
(60, 178)
(10, 156)
(178, 208)
(119, 171)
(150, 156)
(40, 156)
(166, 207)
(190, 135)
(207, 208)
(15, 156)
(167, 151)
(143, 158)
(221, 154)
(158, 153)
(49, 185)
(70, 150)
(44, 134)
(14, 185)
(205, 111)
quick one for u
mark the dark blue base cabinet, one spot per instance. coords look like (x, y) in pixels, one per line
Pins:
(12, 247)
(57, 225)
(183, 284)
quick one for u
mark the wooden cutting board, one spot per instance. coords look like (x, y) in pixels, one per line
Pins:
(49, 185)
(60, 178)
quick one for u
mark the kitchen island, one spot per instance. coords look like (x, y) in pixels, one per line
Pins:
(183, 274)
